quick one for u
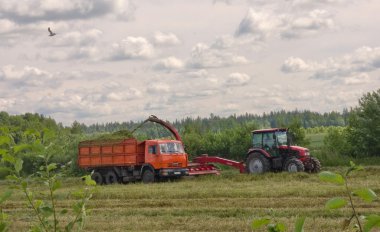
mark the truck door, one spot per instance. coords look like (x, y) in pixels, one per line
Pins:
(152, 155)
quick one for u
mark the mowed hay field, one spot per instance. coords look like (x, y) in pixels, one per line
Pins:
(214, 203)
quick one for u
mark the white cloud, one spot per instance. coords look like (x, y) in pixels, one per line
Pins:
(169, 63)
(132, 48)
(77, 38)
(295, 64)
(26, 77)
(312, 23)
(353, 67)
(202, 56)
(259, 25)
(161, 38)
(237, 79)
(202, 73)
(26, 11)
(262, 25)
(7, 26)
(158, 88)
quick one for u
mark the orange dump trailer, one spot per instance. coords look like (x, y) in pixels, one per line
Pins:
(126, 160)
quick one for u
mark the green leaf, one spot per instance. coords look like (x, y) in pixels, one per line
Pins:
(18, 165)
(276, 227)
(331, 177)
(78, 194)
(64, 211)
(51, 166)
(56, 185)
(24, 184)
(256, 224)
(372, 221)
(8, 158)
(21, 147)
(335, 203)
(48, 134)
(5, 196)
(299, 224)
(354, 167)
(366, 194)
(5, 140)
(3, 152)
(89, 181)
(46, 211)
(32, 132)
(38, 203)
(12, 178)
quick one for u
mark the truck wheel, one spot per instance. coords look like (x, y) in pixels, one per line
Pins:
(293, 165)
(257, 164)
(148, 176)
(312, 165)
(111, 177)
(97, 177)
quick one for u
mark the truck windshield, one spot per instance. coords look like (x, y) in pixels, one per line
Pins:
(171, 148)
(281, 138)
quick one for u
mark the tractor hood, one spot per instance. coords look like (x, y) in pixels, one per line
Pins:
(301, 151)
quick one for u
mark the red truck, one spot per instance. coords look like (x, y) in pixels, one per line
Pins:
(126, 160)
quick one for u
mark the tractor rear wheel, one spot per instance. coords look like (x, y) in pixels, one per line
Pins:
(148, 176)
(293, 165)
(257, 164)
(313, 165)
(111, 177)
(97, 177)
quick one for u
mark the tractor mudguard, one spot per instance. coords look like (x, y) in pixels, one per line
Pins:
(261, 151)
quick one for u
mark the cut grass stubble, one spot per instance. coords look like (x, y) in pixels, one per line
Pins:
(215, 203)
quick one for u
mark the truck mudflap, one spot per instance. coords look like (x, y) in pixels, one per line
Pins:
(196, 169)
(173, 172)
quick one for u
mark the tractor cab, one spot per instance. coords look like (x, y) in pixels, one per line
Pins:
(271, 140)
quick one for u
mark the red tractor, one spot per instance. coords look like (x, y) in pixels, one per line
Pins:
(272, 151)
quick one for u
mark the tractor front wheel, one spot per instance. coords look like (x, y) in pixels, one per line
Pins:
(293, 165)
(257, 164)
(313, 165)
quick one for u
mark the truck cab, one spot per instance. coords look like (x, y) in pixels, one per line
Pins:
(166, 158)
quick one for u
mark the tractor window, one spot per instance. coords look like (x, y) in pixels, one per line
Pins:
(281, 138)
(257, 140)
(268, 141)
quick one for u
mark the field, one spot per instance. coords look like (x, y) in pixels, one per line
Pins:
(215, 203)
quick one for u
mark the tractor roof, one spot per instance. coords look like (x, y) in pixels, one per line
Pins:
(269, 130)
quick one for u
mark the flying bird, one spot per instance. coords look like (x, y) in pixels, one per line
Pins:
(51, 33)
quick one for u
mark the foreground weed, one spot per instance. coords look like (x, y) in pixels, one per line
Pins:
(365, 194)
(273, 225)
(4, 216)
(49, 174)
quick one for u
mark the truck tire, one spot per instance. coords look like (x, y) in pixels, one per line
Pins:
(111, 177)
(257, 164)
(97, 177)
(147, 176)
(293, 165)
(312, 165)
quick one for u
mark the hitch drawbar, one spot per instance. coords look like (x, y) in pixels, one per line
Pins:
(205, 162)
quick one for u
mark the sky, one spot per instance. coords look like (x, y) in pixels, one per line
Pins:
(120, 60)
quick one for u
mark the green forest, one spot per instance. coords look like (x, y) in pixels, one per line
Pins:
(333, 137)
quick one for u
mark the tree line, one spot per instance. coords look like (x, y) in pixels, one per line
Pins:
(354, 132)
